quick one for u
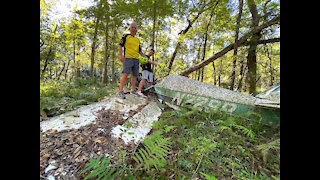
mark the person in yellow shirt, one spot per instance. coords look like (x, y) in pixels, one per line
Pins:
(132, 49)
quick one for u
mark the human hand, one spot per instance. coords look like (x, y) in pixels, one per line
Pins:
(122, 58)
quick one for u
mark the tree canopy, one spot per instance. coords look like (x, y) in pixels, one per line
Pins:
(230, 43)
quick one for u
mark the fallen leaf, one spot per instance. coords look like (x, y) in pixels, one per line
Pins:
(52, 131)
(97, 140)
(77, 150)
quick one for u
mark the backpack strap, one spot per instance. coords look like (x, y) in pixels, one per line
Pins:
(123, 40)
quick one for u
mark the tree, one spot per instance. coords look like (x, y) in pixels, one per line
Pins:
(202, 8)
(236, 44)
(253, 43)
(51, 51)
(186, 35)
(242, 41)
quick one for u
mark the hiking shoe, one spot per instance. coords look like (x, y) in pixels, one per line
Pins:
(141, 95)
(134, 92)
(121, 93)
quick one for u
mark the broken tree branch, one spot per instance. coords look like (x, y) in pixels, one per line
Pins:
(242, 42)
(183, 32)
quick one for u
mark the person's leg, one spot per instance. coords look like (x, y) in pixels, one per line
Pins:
(140, 87)
(123, 81)
(125, 72)
(133, 82)
(127, 66)
(144, 78)
(135, 73)
(141, 84)
(150, 78)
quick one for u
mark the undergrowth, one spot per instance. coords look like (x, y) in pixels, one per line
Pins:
(204, 144)
(153, 152)
(220, 145)
(57, 97)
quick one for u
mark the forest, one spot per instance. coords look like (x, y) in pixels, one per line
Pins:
(233, 44)
(228, 43)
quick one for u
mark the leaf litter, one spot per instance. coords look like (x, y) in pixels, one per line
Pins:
(64, 154)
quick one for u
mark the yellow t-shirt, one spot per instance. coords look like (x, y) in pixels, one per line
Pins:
(131, 46)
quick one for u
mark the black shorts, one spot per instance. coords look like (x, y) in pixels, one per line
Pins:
(131, 65)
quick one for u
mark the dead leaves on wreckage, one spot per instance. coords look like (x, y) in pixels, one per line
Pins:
(64, 154)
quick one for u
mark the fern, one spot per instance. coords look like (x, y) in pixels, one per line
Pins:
(153, 152)
(265, 148)
(231, 123)
(101, 170)
(245, 131)
(209, 177)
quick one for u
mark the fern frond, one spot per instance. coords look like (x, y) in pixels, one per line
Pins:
(208, 177)
(138, 158)
(245, 131)
(222, 128)
(100, 169)
(153, 152)
(169, 128)
(265, 148)
(143, 153)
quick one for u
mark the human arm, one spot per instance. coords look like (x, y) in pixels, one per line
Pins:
(141, 53)
(120, 52)
(152, 62)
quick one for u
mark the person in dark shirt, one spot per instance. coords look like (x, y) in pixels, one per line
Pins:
(147, 73)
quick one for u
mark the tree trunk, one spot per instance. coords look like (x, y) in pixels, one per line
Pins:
(205, 44)
(59, 75)
(113, 56)
(183, 32)
(270, 66)
(241, 75)
(252, 51)
(105, 78)
(154, 33)
(252, 63)
(46, 62)
(199, 70)
(93, 47)
(214, 74)
(154, 23)
(242, 42)
(236, 44)
(67, 69)
(49, 53)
